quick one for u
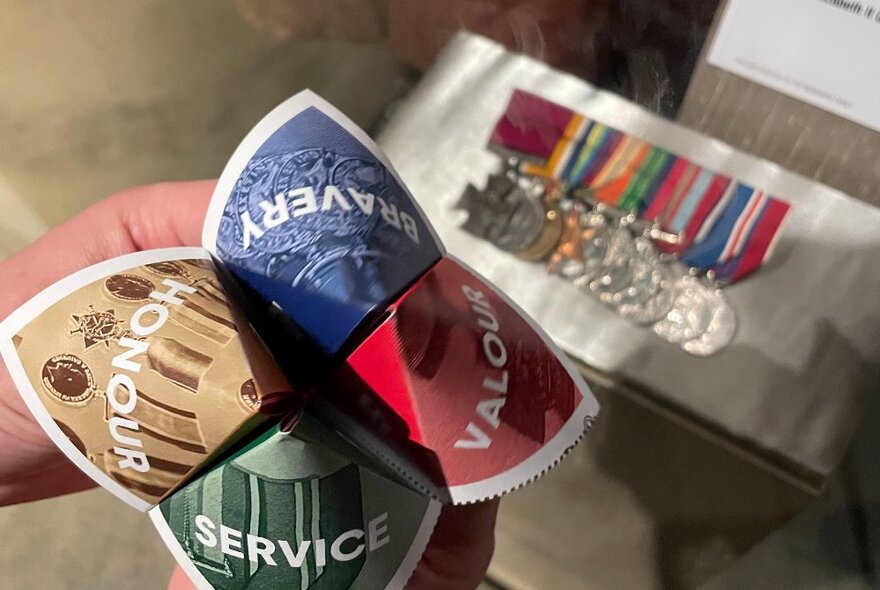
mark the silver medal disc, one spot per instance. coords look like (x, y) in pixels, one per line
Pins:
(616, 273)
(519, 223)
(719, 332)
(680, 324)
(701, 319)
(657, 305)
(645, 274)
(594, 251)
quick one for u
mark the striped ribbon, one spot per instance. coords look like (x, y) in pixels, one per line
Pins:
(722, 224)
(759, 243)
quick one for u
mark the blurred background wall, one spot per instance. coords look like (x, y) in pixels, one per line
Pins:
(97, 96)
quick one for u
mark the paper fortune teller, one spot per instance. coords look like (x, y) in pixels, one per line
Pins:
(293, 398)
(435, 373)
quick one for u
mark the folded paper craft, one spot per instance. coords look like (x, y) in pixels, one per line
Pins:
(290, 510)
(292, 400)
(140, 369)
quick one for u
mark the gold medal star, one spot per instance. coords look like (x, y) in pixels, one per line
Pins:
(96, 327)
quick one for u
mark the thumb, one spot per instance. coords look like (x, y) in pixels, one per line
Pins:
(153, 216)
(180, 581)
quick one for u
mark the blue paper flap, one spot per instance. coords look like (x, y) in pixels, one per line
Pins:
(318, 225)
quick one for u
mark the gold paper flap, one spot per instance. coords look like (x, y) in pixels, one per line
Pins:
(137, 368)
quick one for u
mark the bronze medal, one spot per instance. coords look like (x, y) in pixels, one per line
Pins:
(128, 287)
(201, 264)
(73, 437)
(546, 242)
(169, 269)
(68, 379)
(568, 259)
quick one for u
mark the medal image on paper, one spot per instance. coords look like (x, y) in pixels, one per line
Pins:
(144, 371)
(320, 227)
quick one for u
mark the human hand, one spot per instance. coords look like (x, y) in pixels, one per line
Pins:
(156, 216)
(165, 216)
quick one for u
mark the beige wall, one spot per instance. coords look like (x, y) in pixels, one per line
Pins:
(96, 96)
(798, 136)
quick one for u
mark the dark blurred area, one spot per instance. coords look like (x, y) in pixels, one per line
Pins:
(645, 50)
(653, 49)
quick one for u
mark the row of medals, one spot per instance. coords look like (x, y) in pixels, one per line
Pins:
(606, 253)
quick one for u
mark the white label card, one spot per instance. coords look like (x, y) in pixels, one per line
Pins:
(823, 52)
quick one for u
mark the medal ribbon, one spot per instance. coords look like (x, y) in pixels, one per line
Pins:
(531, 126)
(651, 180)
(677, 217)
(562, 151)
(759, 245)
(717, 241)
(718, 193)
(659, 200)
(722, 224)
(693, 209)
(639, 174)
